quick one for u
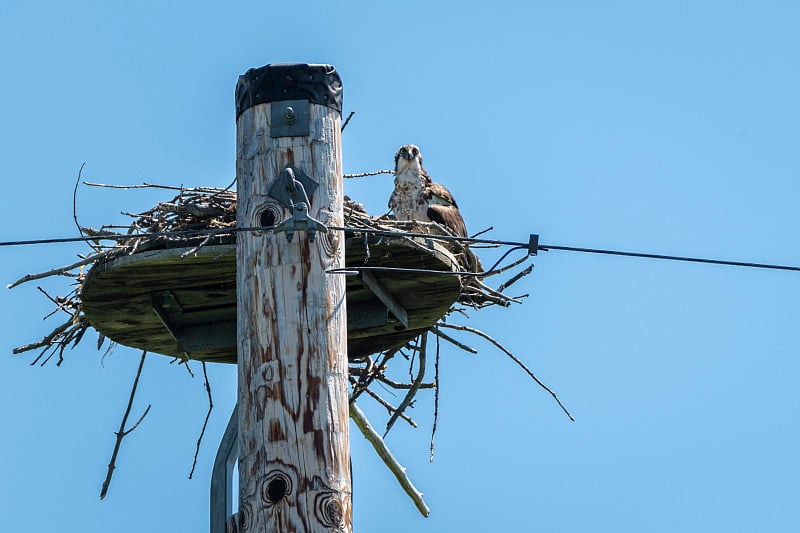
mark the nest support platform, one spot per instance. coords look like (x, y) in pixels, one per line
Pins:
(160, 301)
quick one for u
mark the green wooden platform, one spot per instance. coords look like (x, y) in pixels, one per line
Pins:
(156, 301)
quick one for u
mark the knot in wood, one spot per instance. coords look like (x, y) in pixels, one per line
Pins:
(330, 510)
(277, 485)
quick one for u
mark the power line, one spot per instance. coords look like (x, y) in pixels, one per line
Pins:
(547, 247)
(532, 245)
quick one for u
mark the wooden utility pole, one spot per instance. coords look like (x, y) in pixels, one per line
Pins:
(292, 328)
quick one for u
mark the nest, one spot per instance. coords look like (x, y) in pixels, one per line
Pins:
(198, 217)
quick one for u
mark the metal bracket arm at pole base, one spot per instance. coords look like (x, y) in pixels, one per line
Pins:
(221, 506)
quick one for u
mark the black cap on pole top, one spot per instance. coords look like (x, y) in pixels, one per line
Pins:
(319, 84)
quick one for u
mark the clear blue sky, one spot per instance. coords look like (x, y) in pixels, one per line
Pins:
(669, 127)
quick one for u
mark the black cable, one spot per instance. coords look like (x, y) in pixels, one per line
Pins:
(388, 233)
(547, 247)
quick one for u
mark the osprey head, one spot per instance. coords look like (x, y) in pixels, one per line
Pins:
(406, 158)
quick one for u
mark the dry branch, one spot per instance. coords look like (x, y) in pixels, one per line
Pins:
(436, 331)
(365, 174)
(388, 459)
(412, 391)
(47, 341)
(435, 401)
(347, 120)
(56, 271)
(513, 358)
(205, 422)
(122, 433)
(516, 278)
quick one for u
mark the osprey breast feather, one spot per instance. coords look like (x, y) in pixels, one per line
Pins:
(416, 197)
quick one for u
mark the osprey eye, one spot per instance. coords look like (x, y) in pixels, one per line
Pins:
(402, 150)
(415, 151)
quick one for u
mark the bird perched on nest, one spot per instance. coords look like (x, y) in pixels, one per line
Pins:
(416, 197)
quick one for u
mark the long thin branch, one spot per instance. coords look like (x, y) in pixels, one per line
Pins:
(414, 386)
(60, 304)
(513, 358)
(205, 422)
(142, 186)
(388, 459)
(365, 174)
(56, 271)
(347, 121)
(122, 433)
(404, 386)
(521, 274)
(436, 331)
(435, 401)
(47, 341)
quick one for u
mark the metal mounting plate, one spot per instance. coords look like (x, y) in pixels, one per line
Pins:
(281, 189)
(290, 118)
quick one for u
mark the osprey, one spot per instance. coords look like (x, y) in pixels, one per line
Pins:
(416, 197)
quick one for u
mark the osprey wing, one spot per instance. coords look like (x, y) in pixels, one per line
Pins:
(439, 195)
(442, 208)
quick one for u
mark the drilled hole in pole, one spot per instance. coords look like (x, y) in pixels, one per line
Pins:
(277, 489)
(267, 218)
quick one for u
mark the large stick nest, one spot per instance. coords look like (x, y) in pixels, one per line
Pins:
(196, 217)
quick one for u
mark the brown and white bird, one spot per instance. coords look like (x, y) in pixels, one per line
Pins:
(416, 197)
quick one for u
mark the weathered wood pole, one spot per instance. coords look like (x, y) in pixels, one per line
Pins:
(292, 330)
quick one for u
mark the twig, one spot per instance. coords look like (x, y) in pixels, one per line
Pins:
(370, 377)
(414, 386)
(60, 305)
(75, 199)
(122, 433)
(75, 207)
(57, 271)
(436, 331)
(185, 362)
(435, 400)
(388, 459)
(142, 186)
(498, 295)
(205, 241)
(389, 407)
(487, 230)
(365, 174)
(205, 422)
(46, 341)
(510, 265)
(516, 278)
(347, 120)
(404, 386)
(513, 358)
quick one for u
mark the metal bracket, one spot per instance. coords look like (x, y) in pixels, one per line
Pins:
(300, 221)
(221, 505)
(166, 306)
(289, 190)
(285, 190)
(190, 338)
(386, 297)
(366, 315)
(533, 244)
(290, 118)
